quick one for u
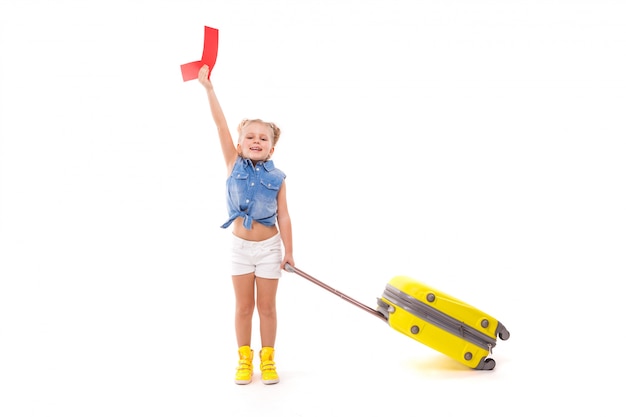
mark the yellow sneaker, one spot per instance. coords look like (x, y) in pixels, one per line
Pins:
(268, 367)
(244, 369)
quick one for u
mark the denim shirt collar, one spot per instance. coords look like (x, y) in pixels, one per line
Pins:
(268, 165)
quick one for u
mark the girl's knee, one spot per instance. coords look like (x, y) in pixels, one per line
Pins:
(267, 310)
(244, 309)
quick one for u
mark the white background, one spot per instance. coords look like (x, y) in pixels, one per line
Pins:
(474, 145)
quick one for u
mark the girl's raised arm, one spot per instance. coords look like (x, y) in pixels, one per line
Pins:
(228, 147)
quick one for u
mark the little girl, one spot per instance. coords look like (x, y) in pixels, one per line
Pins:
(257, 209)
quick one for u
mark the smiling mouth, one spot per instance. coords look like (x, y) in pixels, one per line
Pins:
(255, 149)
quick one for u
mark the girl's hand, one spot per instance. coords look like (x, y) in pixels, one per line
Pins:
(288, 259)
(203, 77)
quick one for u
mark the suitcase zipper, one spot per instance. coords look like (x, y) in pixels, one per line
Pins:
(437, 318)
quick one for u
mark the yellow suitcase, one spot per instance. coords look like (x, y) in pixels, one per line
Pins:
(441, 322)
(433, 318)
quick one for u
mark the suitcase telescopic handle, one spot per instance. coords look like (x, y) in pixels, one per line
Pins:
(351, 300)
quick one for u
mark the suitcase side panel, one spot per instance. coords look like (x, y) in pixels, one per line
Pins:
(445, 303)
(441, 322)
(435, 337)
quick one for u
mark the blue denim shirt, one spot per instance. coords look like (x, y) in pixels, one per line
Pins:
(252, 191)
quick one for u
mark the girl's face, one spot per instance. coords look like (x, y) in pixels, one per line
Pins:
(255, 142)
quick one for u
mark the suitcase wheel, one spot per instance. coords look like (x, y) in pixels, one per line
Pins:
(489, 364)
(504, 333)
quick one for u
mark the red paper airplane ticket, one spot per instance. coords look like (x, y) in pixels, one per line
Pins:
(209, 55)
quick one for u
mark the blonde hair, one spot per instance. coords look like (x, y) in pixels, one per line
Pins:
(275, 129)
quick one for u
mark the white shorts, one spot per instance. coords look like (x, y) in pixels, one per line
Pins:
(263, 258)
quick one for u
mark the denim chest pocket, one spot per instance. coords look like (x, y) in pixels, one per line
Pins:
(267, 183)
(237, 185)
(266, 197)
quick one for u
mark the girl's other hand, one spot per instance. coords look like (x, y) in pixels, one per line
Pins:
(203, 76)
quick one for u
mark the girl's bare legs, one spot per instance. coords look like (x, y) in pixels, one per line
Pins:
(244, 307)
(266, 306)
